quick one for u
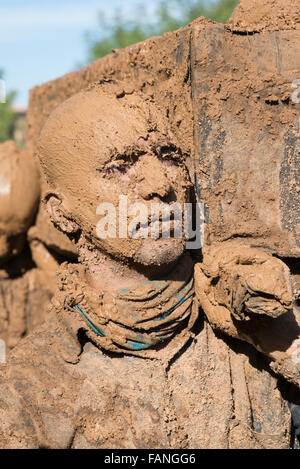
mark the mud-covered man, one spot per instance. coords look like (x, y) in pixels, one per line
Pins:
(127, 358)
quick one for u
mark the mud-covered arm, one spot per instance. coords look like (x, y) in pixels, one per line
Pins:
(247, 294)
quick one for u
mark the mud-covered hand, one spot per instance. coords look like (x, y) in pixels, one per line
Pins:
(247, 294)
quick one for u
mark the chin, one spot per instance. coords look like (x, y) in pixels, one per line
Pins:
(160, 251)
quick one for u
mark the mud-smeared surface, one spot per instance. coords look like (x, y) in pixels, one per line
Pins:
(245, 123)
(229, 113)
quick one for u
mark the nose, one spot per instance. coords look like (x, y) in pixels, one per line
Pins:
(153, 178)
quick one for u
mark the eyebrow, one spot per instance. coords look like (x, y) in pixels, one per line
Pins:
(126, 152)
(129, 152)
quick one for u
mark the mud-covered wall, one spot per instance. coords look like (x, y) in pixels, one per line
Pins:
(247, 135)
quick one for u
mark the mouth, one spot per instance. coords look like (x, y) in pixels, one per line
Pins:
(161, 227)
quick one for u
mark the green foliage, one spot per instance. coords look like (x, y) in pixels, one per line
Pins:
(7, 115)
(170, 15)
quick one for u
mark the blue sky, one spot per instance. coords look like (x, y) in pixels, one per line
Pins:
(43, 39)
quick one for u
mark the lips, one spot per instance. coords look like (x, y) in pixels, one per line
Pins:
(165, 220)
(157, 229)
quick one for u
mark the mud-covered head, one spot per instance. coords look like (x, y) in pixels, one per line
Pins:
(19, 198)
(105, 142)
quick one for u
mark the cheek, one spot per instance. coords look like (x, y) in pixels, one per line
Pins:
(103, 191)
(106, 191)
(109, 190)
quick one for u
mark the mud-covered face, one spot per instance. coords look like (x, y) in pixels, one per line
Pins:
(97, 149)
(146, 172)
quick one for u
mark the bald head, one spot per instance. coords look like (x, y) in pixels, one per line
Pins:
(89, 129)
(102, 144)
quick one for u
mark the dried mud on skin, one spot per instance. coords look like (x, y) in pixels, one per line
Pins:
(97, 119)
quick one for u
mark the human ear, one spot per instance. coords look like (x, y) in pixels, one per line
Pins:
(55, 209)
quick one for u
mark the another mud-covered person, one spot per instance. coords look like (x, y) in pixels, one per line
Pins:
(22, 284)
(30, 247)
(126, 358)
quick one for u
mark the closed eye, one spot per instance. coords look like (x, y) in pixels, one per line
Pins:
(116, 167)
(169, 154)
(169, 160)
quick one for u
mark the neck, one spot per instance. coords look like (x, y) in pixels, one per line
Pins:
(105, 273)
